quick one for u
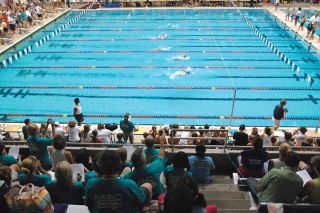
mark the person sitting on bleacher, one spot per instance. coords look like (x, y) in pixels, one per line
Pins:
(5, 159)
(73, 132)
(85, 134)
(253, 160)
(279, 163)
(32, 172)
(58, 153)
(120, 139)
(179, 168)
(126, 165)
(38, 145)
(311, 190)
(201, 166)
(64, 189)
(241, 138)
(5, 185)
(95, 138)
(150, 152)
(147, 173)
(184, 197)
(104, 133)
(109, 193)
(59, 130)
(282, 185)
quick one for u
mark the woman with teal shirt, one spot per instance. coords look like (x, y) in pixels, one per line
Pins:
(32, 172)
(148, 173)
(179, 169)
(38, 145)
(109, 193)
(64, 189)
(5, 159)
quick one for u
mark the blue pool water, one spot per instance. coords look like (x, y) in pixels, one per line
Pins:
(118, 48)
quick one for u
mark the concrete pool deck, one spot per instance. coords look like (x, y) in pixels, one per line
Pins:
(302, 34)
(20, 37)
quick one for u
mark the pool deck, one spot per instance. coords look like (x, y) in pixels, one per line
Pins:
(17, 38)
(303, 34)
(16, 130)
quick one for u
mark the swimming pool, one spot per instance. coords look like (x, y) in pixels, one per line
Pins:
(114, 61)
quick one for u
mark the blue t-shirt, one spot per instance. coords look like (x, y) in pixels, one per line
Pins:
(201, 168)
(38, 147)
(37, 180)
(7, 160)
(172, 175)
(151, 154)
(149, 174)
(114, 195)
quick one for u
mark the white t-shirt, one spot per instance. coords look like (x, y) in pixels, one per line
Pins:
(74, 134)
(60, 131)
(39, 9)
(86, 139)
(298, 13)
(105, 135)
(79, 109)
(300, 137)
(28, 14)
(183, 135)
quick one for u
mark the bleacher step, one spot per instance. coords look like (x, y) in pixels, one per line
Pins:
(219, 187)
(236, 211)
(225, 195)
(230, 203)
(222, 179)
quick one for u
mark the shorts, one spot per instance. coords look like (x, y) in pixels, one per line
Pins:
(310, 27)
(79, 117)
(5, 29)
(296, 17)
(39, 15)
(29, 19)
(12, 27)
(301, 24)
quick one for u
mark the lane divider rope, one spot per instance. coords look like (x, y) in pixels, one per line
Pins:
(221, 117)
(163, 88)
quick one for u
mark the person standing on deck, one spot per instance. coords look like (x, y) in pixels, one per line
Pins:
(127, 127)
(77, 111)
(279, 113)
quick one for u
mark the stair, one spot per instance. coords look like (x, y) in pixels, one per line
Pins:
(226, 196)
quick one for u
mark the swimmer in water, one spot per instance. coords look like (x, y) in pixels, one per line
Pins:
(183, 57)
(185, 71)
(163, 48)
(163, 37)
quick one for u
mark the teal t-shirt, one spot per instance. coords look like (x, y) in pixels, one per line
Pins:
(73, 194)
(37, 180)
(126, 127)
(149, 174)
(151, 154)
(172, 175)
(38, 147)
(120, 142)
(114, 195)
(7, 160)
(89, 175)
